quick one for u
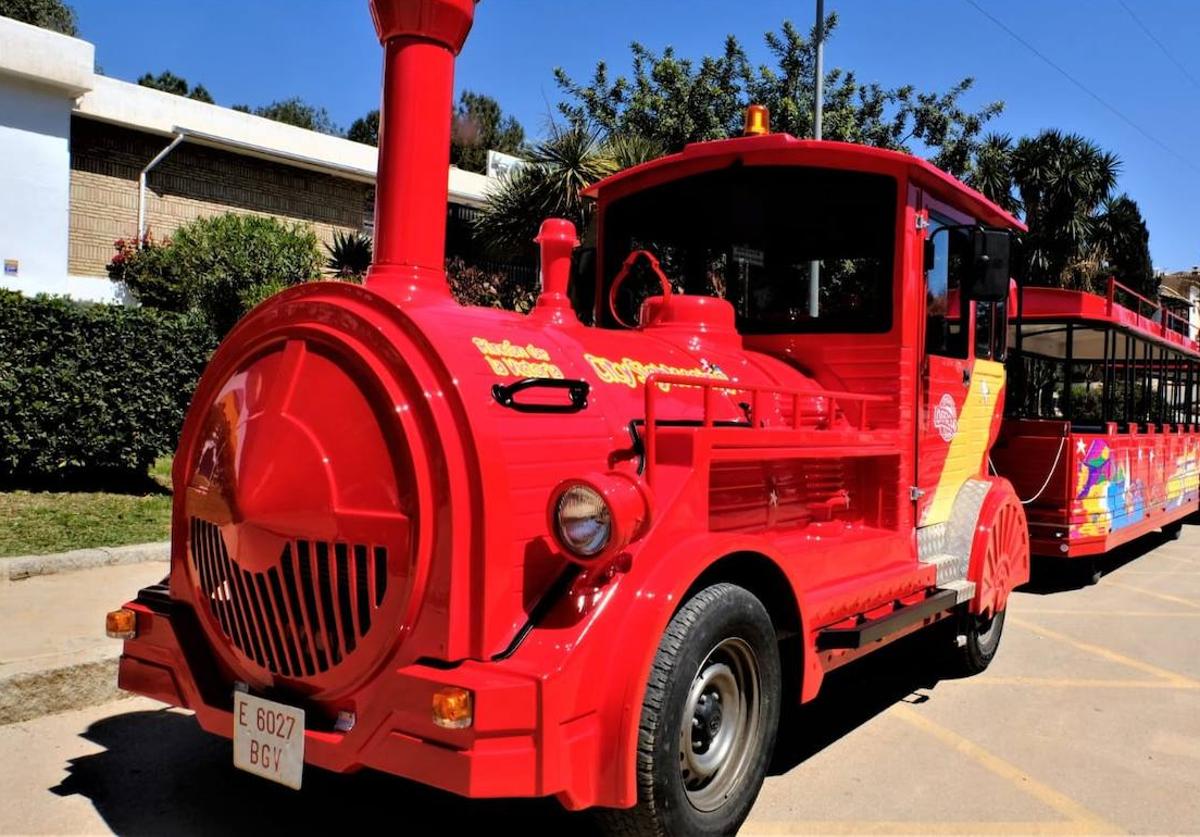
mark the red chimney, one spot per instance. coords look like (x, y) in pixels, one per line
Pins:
(421, 39)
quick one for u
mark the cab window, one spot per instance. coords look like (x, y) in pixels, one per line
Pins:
(751, 234)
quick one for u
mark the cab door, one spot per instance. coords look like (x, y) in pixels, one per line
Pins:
(946, 378)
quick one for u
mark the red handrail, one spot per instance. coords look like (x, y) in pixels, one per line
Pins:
(1156, 307)
(710, 387)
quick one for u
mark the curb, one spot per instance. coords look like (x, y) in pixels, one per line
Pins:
(64, 685)
(27, 566)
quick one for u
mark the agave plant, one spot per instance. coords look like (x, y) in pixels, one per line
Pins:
(349, 256)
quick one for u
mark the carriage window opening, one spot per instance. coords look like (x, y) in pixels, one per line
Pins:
(1117, 402)
(1088, 352)
(1041, 370)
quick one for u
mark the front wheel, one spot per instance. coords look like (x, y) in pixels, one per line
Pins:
(709, 719)
(1173, 531)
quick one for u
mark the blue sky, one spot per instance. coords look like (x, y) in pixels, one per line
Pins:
(257, 51)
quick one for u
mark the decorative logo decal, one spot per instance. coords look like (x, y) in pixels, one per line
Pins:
(945, 418)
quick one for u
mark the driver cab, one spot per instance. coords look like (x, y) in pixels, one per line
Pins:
(868, 270)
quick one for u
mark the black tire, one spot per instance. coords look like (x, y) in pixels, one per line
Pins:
(1173, 531)
(711, 633)
(982, 641)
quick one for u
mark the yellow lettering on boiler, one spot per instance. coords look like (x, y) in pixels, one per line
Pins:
(633, 373)
(509, 360)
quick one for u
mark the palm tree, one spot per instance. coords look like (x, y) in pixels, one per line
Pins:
(550, 185)
(1062, 180)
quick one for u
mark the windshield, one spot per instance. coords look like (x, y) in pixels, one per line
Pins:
(752, 235)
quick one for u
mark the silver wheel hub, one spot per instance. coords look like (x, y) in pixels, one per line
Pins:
(720, 724)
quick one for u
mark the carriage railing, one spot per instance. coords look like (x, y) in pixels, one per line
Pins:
(713, 389)
(1167, 320)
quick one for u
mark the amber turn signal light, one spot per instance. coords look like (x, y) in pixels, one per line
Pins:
(758, 121)
(453, 708)
(121, 624)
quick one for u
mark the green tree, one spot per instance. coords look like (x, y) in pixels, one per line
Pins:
(675, 101)
(365, 129)
(992, 171)
(295, 111)
(168, 82)
(549, 185)
(1121, 236)
(478, 126)
(54, 15)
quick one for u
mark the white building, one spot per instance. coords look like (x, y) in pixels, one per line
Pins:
(75, 147)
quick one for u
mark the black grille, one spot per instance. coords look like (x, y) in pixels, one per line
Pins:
(301, 617)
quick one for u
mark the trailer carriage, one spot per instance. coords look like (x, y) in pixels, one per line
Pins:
(1102, 429)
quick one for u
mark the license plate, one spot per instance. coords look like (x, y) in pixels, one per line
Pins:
(268, 739)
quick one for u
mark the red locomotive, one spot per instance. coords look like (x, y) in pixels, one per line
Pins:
(595, 551)
(1103, 428)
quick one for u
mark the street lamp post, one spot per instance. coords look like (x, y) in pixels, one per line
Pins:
(814, 267)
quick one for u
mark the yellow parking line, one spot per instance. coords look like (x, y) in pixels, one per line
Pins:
(901, 827)
(1179, 558)
(1164, 596)
(1078, 683)
(1108, 654)
(1081, 818)
(1154, 613)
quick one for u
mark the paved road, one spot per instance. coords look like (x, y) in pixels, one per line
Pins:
(1088, 721)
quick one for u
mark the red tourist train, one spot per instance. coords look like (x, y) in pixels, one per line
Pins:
(596, 551)
(1102, 434)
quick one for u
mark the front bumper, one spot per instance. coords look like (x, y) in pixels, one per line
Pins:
(518, 745)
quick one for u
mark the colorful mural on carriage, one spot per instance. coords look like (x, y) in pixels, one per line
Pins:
(1121, 480)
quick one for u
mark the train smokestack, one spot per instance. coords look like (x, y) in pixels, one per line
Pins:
(421, 40)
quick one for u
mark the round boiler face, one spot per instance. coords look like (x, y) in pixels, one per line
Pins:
(302, 512)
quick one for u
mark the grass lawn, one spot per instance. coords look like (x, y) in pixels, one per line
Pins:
(40, 522)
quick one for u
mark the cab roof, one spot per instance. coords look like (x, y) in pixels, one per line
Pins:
(783, 149)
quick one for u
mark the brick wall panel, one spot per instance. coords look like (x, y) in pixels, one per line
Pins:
(193, 182)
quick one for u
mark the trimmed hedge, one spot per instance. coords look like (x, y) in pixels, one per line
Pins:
(92, 390)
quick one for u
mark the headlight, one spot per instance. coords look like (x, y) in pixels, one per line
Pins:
(583, 521)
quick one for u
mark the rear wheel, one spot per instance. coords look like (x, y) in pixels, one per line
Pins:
(1173, 531)
(977, 642)
(709, 719)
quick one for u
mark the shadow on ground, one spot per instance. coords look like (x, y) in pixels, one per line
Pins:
(1056, 575)
(159, 773)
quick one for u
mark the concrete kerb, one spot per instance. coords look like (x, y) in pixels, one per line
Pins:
(27, 566)
(54, 656)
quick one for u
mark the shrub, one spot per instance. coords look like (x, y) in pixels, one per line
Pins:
(504, 287)
(92, 390)
(148, 272)
(221, 260)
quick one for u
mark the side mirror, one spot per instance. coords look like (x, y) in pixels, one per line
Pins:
(991, 265)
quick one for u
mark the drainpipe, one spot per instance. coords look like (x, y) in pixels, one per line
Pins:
(162, 155)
